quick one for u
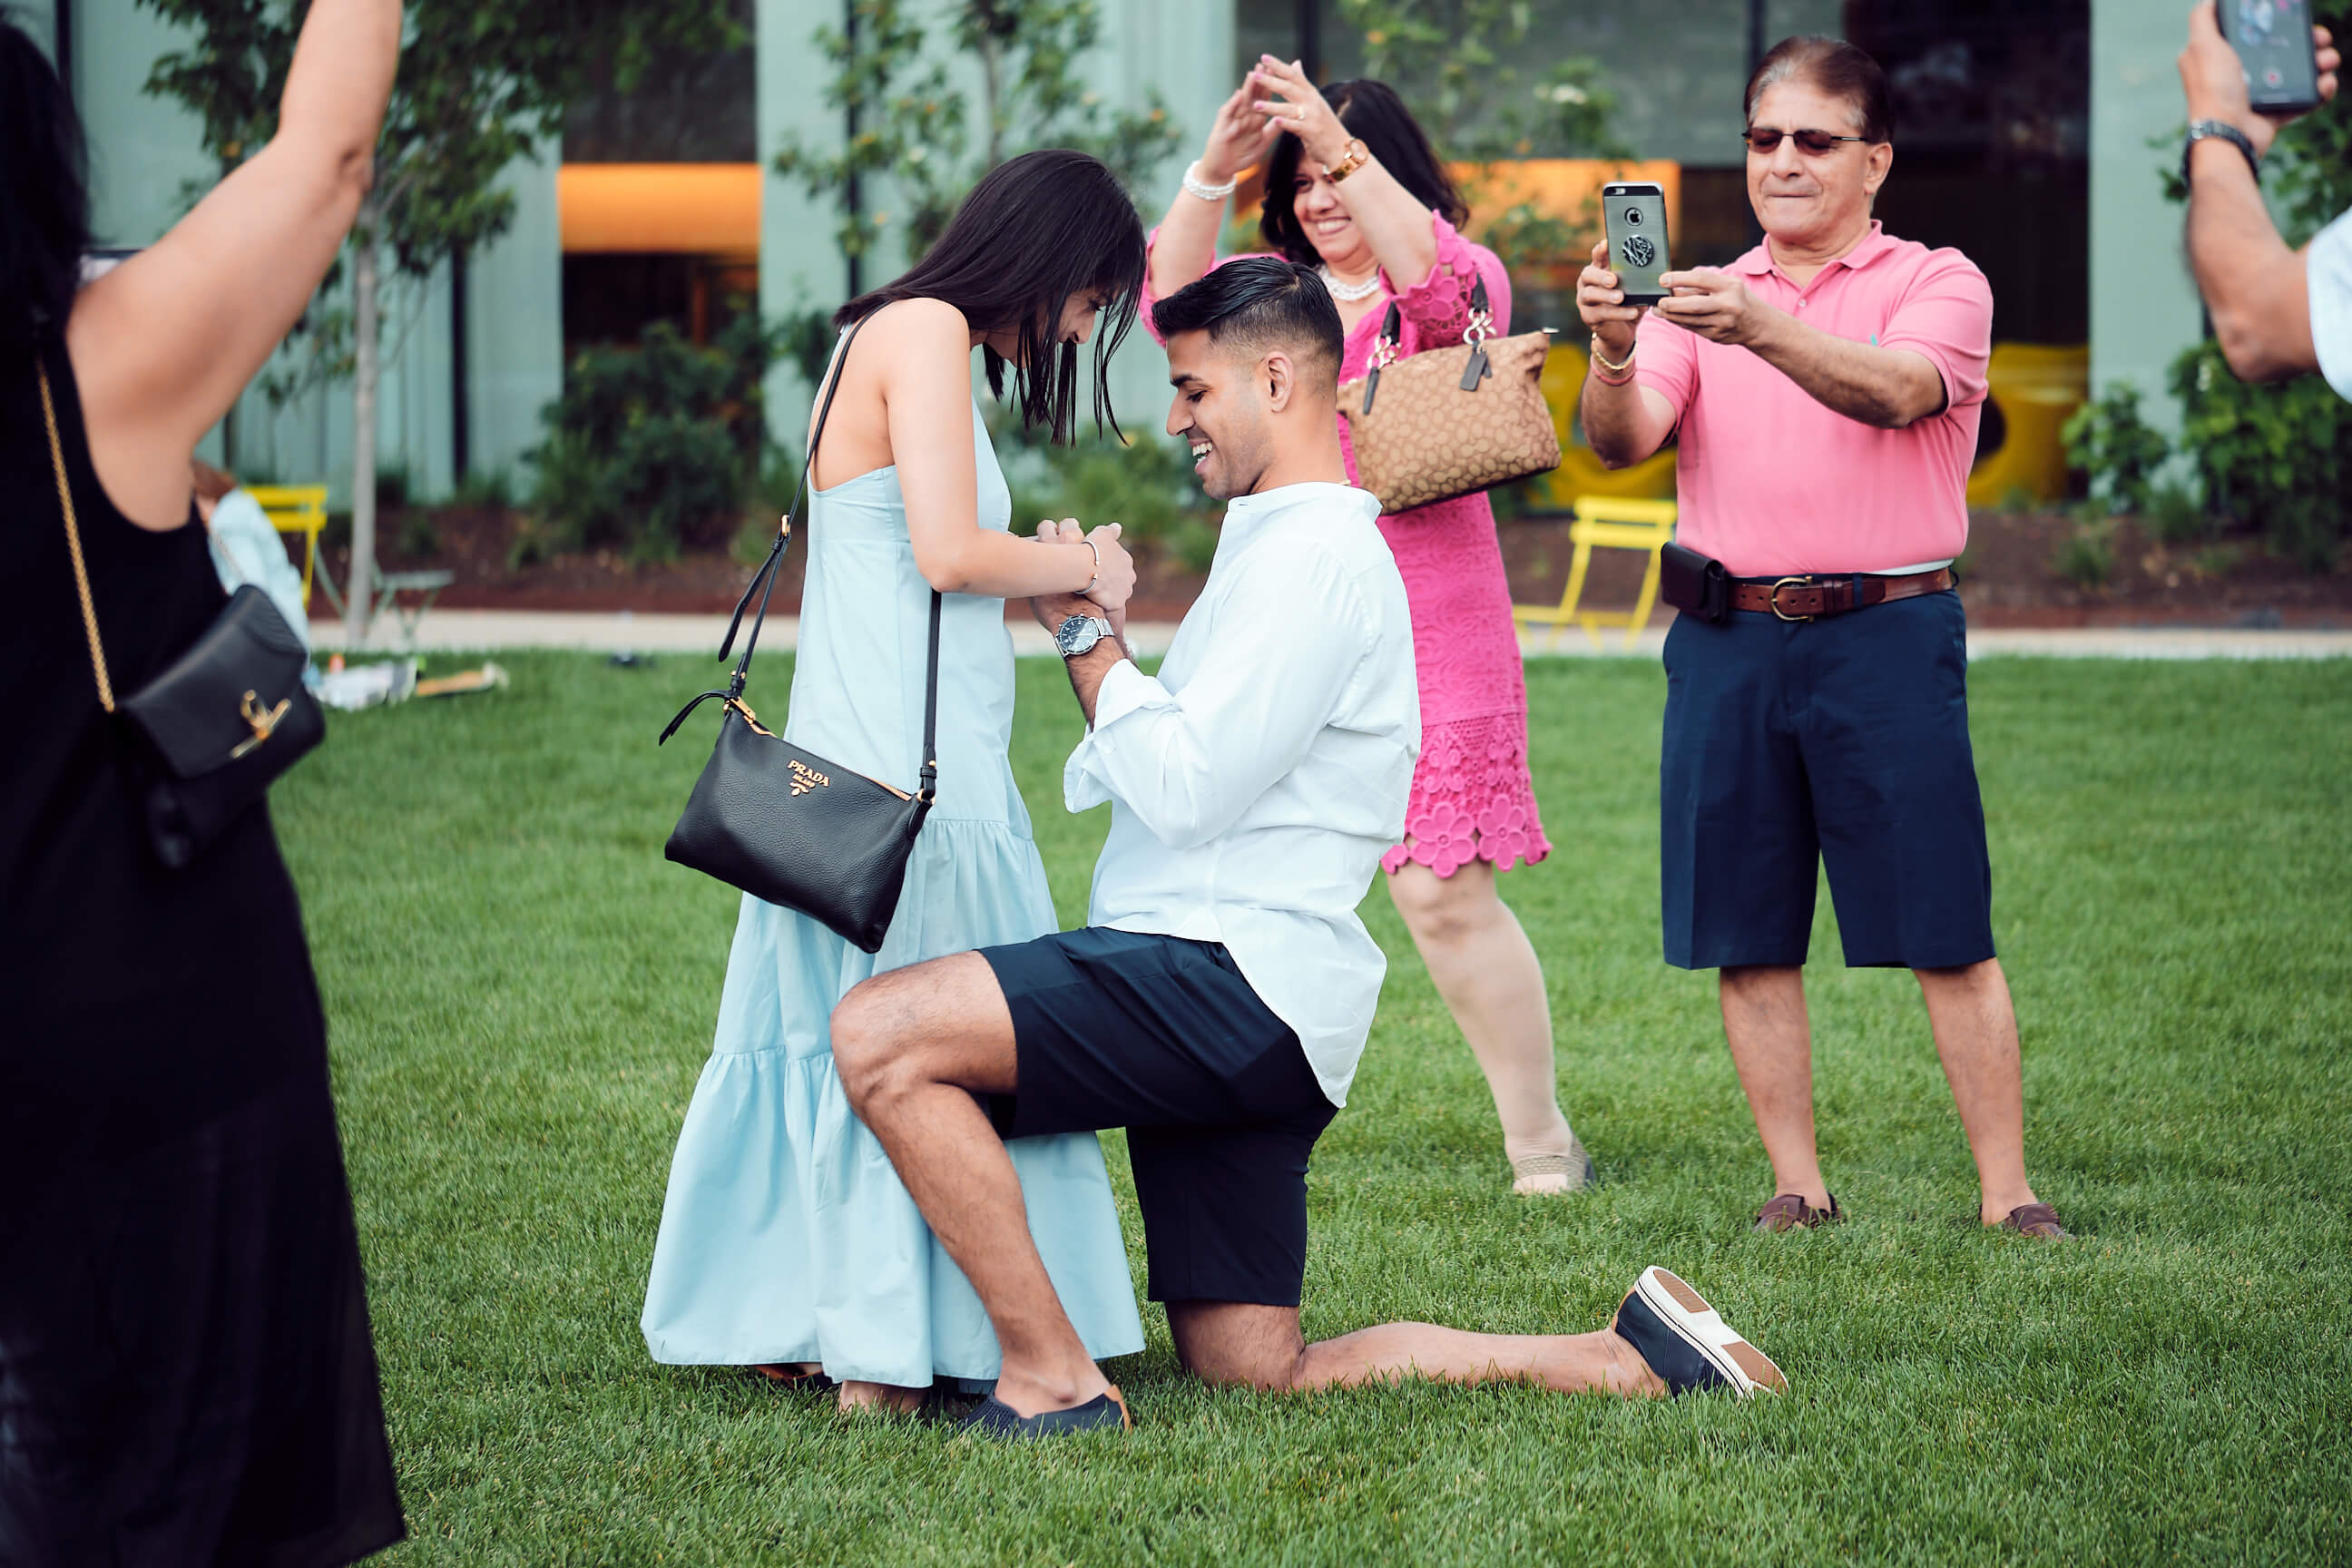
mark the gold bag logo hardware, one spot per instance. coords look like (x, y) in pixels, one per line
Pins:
(260, 720)
(806, 778)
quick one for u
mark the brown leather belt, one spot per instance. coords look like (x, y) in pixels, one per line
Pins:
(1810, 598)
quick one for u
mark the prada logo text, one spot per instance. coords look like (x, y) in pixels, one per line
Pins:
(806, 778)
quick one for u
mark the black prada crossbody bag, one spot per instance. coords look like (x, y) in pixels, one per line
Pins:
(781, 822)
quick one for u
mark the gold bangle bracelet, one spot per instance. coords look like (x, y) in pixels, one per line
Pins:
(1605, 362)
(1352, 157)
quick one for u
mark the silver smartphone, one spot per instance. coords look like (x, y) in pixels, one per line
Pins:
(1634, 217)
(2273, 41)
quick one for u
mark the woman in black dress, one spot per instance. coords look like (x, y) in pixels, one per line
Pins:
(185, 1371)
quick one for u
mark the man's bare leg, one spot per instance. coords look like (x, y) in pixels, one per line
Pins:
(1976, 1035)
(1228, 1342)
(913, 1047)
(1771, 1044)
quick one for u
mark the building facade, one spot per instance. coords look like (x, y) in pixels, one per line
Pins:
(2024, 140)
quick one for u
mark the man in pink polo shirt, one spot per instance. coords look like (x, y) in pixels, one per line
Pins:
(1826, 388)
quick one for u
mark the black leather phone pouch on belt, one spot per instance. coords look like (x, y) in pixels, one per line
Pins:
(1694, 583)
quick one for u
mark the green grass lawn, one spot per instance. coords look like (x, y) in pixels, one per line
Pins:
(522, 990)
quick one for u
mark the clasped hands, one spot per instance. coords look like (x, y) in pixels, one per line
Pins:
(1114, 581)
(1714, 305)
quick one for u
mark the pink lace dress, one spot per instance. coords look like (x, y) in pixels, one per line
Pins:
(1472, 796)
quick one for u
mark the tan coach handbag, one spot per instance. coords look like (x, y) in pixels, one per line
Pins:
(1450, 420)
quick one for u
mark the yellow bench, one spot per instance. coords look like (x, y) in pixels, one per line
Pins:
(1580, 473)
(297, 509)
(2037, 387)
(1611, 522)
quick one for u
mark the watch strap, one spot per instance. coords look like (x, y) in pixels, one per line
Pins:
(2219, 130)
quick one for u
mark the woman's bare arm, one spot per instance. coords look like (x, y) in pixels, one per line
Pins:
(1395, 224)
(164, 344)
(922, 348)
(1185, 244)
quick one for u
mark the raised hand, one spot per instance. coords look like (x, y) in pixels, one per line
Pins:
(2214, 79)
(1300, 108)
(1239, 137)
(1603, 305)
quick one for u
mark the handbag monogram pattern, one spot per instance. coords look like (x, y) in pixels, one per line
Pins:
(783, 823)
(217, 727)
(1451, 421)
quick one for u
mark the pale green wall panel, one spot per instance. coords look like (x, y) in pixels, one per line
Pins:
(143, 151)
(514, 322)
(2144, 311)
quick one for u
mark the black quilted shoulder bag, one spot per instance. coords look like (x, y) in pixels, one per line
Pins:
(215, 730)
(783, 823)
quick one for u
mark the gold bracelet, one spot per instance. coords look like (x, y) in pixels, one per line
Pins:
(1354, 156)
(1604, 362)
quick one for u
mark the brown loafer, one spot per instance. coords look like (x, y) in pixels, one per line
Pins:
(1790, 1212)
(2039, 1221)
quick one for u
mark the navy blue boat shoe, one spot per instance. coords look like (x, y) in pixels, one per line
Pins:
(1103, 1412)
(1687, 1343)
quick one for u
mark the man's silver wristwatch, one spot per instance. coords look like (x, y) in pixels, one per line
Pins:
(1079, 634)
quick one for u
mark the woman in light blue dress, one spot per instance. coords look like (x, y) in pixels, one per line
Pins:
(787, 1241)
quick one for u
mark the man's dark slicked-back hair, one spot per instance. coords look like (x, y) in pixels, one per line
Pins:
(1260, 302)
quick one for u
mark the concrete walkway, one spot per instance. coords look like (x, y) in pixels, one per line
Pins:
(455, 631)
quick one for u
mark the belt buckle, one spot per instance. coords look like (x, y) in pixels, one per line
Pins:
(1775, 600)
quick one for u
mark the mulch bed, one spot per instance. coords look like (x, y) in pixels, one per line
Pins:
(2007, 580)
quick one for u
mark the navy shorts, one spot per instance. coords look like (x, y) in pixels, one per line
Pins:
(1841, 743)
(1164, 1038)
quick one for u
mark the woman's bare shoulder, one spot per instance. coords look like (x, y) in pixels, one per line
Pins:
(921, 322)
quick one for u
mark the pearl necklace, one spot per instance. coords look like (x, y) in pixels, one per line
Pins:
(1350, 292)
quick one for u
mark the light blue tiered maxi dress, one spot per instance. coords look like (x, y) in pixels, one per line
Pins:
(786, 1236)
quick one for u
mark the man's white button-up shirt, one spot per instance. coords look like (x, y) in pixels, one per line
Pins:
(1256, 781)
(2327, 270)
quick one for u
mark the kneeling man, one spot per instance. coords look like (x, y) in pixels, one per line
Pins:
(1217, 1004)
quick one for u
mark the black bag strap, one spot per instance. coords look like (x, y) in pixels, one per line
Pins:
(763, 582)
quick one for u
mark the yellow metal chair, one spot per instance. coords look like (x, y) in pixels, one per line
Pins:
(298, 508)
(2037, 386)
(1611, 522)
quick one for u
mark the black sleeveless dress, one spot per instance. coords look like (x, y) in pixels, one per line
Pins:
(185, 1369)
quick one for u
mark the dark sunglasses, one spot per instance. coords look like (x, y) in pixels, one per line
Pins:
(1764, 139)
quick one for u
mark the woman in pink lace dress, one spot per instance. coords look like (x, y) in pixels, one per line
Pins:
(1354, 187)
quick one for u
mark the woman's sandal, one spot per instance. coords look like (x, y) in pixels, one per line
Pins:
(1574, 1169)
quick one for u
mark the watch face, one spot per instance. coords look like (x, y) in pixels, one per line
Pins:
(1077, 634)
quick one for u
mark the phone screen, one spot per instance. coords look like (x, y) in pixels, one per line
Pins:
(1634, 217)
(2273, 38)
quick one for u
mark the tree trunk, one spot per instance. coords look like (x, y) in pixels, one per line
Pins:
(360, 588)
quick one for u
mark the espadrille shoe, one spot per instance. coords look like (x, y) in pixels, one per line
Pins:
(1533, 1176)
(1687, 1343)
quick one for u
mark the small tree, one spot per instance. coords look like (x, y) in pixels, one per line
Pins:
(1453, 63)
(480, 82)
(907, 122)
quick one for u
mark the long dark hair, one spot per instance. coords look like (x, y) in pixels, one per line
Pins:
(44, 192)
(1373, 112)
(1037, 229)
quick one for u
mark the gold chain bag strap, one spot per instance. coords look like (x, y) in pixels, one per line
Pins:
(215, 730)
(1451, 421)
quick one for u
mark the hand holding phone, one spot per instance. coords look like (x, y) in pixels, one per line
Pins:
(1634, 215)
(2256, 65)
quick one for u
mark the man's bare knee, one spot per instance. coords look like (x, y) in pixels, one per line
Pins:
(1235, 1344)
(865, 1048)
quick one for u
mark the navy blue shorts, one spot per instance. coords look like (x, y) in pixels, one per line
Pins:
(1164, 1038)
(1842, 743)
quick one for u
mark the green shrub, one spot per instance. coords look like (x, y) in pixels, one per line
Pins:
(2086, 556)
(492, 491)
(2173, 515)
(2116, 451)
(654, 447)
(419, 538)
(2277, 457)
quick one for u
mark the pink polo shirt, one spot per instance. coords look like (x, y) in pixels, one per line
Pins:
(1771, 482)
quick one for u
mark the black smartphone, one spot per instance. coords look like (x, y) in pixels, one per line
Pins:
(1634, 217)
(2273, 38)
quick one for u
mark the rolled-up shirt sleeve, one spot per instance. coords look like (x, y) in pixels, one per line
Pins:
(1946, 317)
(1287, 640)
(2328, 275)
